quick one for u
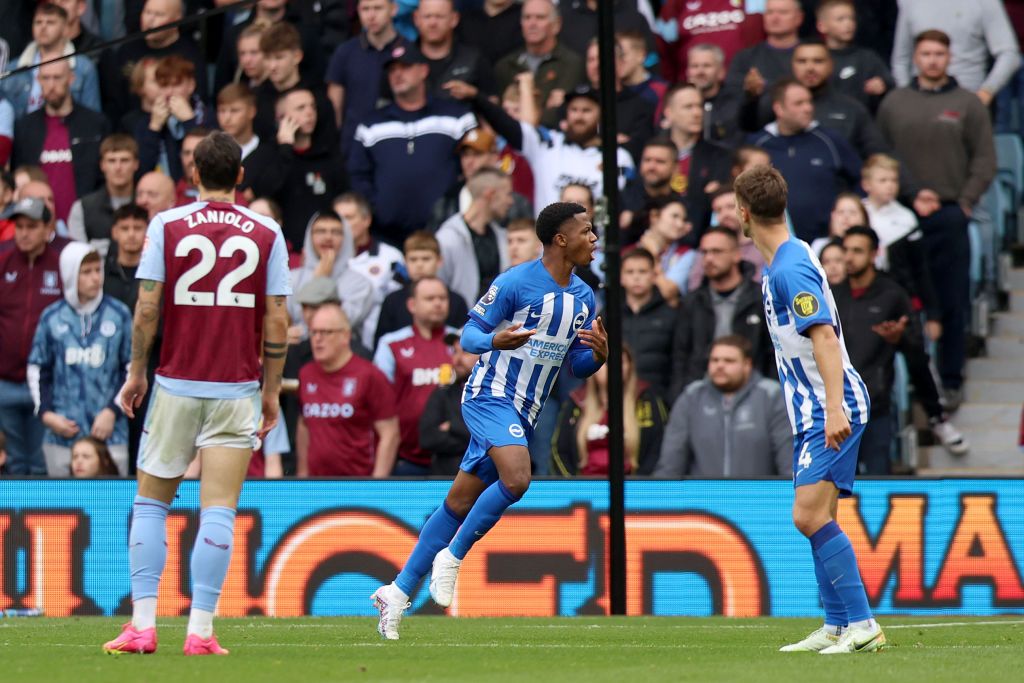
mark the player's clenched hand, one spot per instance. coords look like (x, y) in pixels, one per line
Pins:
(597, 339)
(271, 409)
(512, 337)
(59, 424)
(837, 428)
(132, 393)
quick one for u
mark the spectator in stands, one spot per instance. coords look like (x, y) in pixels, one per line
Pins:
(26, 174)
(6, 130)
(415, 359)
(35, 264)
(558, 157)
(755, 70)
(719, 23)
(128, 234)
(355, 74)
(944, 136)
(177, 110)
(634, 114)
(580, 444)
(80, 352)
(748, 156)
(727, 303)
(474, 247)
(40, 189)
(733, 423)
(523, 243)
(90, 458)
(858, 72)
(93, 214)
(155, 193)
(702, 166)
(815, 161)
(556, 68)
(281, 46)
(327, 253)
(847, 211)
(579, 23)
(50, 41)
(79, 36)
(705, 68)
(665, 240)
(634, 73)
(146, 91)
(374, 260)
(493, 28)
(443, 432)
(117, 65)
(978, 32)
(6, 199)
(236, 111)
(62, 137)
(448, 58)
(308, 159)
(185, 192)
(833, 261)
(648, 322)
(251, 71)
(422, 259)
(348, 424)
(723, 205)
(418, 167)
(479, 149)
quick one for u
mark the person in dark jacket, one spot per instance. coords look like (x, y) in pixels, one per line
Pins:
(443, 432)
(860, 72)
(236, 112)
(579, 23)
(658, 163)
(648, 322)
(728, 303)
(634, 113)
(580, 443)
(309, 159)
(93, 214)
(128, 235)
(449, 59)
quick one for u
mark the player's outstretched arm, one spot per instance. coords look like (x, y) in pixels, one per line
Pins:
(275, 348)
(144, 328)
(829, 357)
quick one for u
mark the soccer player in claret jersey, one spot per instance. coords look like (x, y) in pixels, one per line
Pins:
(532, 317)
(225, 270)
(828, 408)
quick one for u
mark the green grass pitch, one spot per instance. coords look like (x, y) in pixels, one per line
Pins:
(622, 650)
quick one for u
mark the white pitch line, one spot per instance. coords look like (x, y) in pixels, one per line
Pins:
(958, 623)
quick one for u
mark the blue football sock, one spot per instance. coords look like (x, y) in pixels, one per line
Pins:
(437, 532)
(486, 512)
(833, 549)
(211, 556)
(835, 611)
(147, 545)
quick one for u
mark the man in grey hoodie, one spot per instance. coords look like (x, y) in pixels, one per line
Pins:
(733, 423)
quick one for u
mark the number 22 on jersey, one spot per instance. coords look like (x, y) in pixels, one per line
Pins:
(225, 295)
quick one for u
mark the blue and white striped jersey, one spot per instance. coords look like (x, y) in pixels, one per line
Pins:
(528, 294)
(797, 297)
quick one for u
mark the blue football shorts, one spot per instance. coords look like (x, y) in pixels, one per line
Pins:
(492, 421)
(813, 461)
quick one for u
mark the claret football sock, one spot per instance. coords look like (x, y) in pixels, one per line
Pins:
(211, 556)
(835, 611)
(147, 554)
(834, 551)
(486, 512)
(437, 532)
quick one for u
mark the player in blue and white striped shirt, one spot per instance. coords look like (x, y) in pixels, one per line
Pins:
(828, 407)
(531, 320)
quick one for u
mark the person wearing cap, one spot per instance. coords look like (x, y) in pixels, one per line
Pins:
(403, 175)
(556, 68)
(571, 155)
(79, 356)
(30, 282)
(348, 426)
(443, 432)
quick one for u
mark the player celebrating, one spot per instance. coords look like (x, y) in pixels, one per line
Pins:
(531, 318)
(824, 395)
(225, 269)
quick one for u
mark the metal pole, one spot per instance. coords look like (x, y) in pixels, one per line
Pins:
(613, 313)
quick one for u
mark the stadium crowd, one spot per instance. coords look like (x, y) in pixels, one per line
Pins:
(405, 147)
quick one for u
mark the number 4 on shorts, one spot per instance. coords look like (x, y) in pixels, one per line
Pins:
(805, 456)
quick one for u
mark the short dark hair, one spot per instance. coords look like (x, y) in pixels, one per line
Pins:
(429, 278)
(553, 217)
(764, 191)
(934, 35)
(639, 253)
(812, 41)
(218, 159)
(725, 232)
(326, 215)
(679, 87)
(52, 9)
(727, 188)
(663, 141)
(236, 92)
(7, 179)
(834, 242)
(130, 211)
(737, 342)
(780, 89)
(660, 202)
(281, 37)
(826, 5)
(863, 231)
(361, 202)
(197, 132)
(119, 142)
